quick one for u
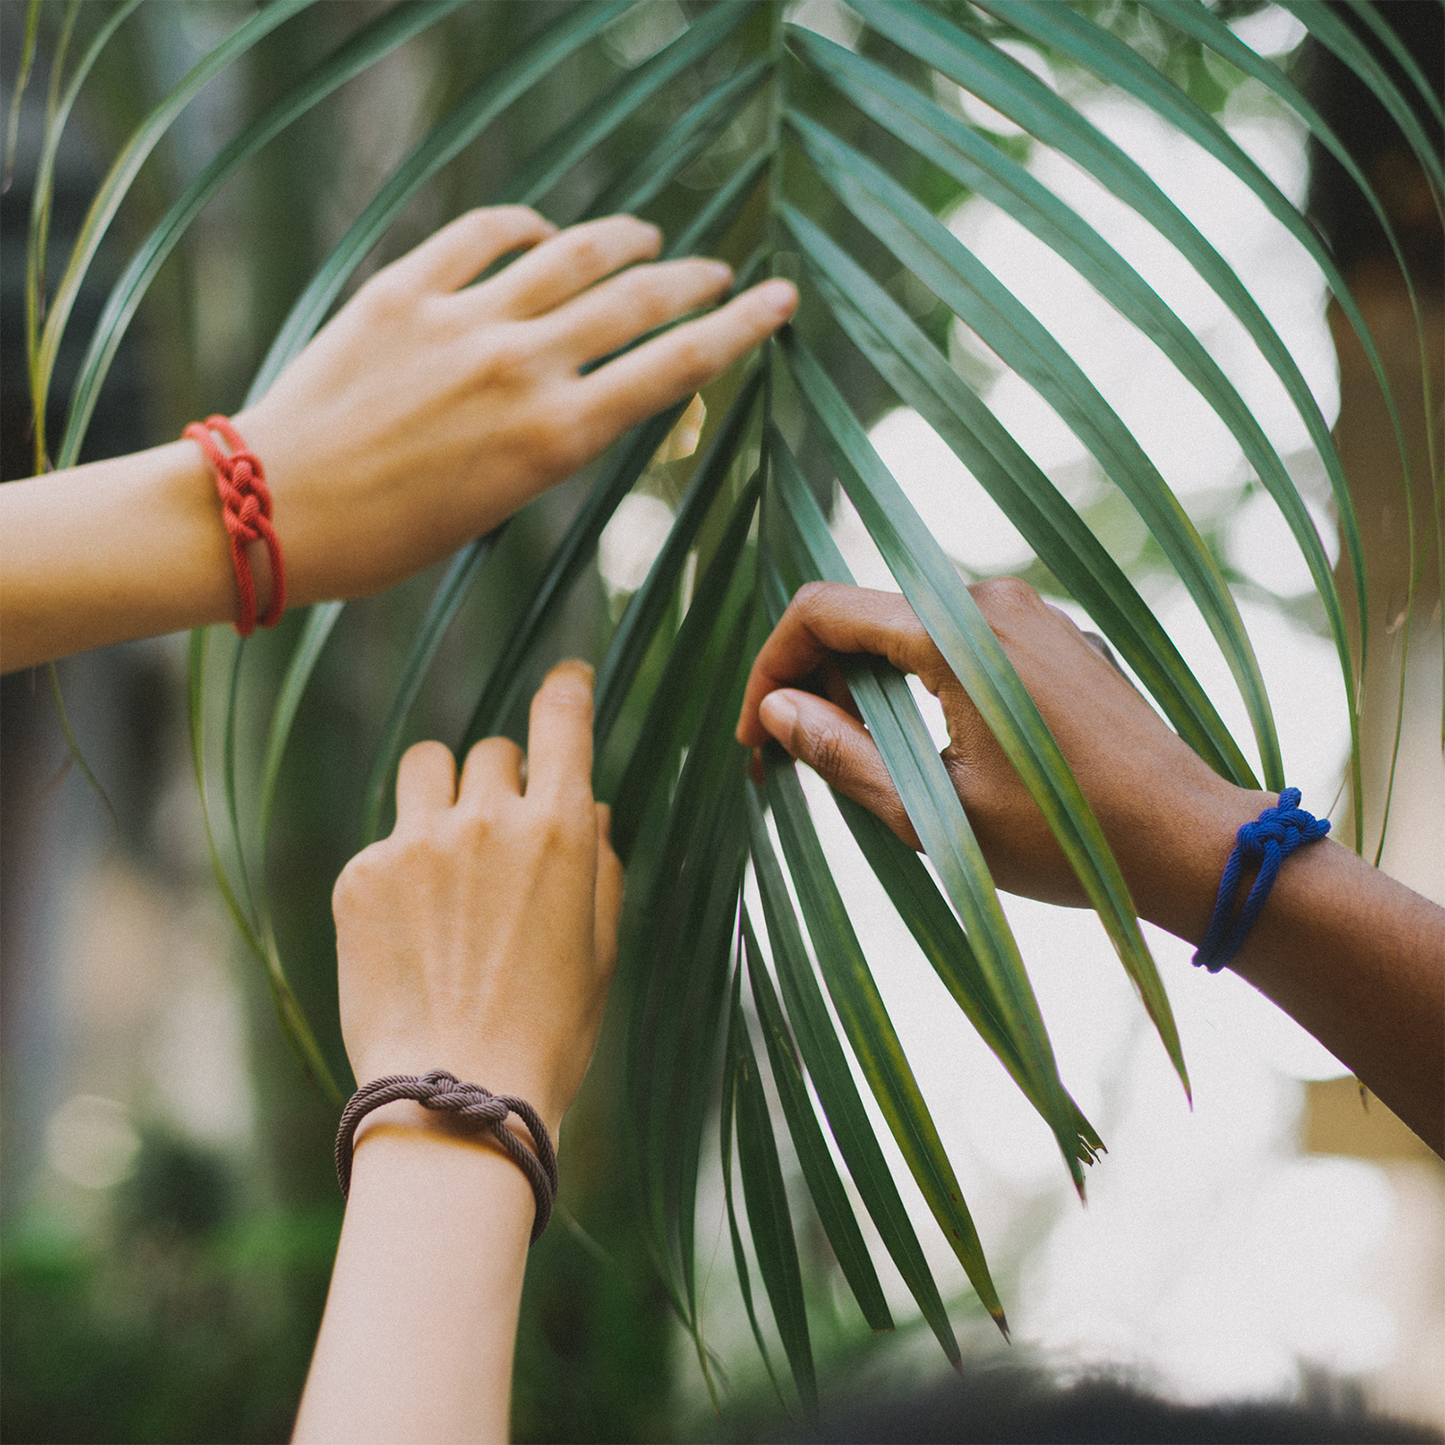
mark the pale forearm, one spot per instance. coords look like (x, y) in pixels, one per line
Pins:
(417, 1340)
(115, 550)
(423, 414)
(480, 937)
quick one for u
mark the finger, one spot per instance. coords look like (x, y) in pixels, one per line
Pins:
(826, 618)
(568, 263)
(493, 766)
(426, 781)
(839, 749)
(559, 735)
(624, 307)
(834, 686)
(671, 367)
(464, 248)
(609, 893)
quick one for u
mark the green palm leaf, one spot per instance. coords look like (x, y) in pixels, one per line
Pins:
(833, 1080)
(639, 623)
(870, 1032)
(1007, 86)
(944, 264)
(740, 1261)
(977, 659)
(933, 808)
(883, 332)
(769, 1218)
(824, 1184)
(788, 153)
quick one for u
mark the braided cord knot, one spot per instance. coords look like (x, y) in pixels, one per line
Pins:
(443, 1091)
(246, 511)
(1267, 841)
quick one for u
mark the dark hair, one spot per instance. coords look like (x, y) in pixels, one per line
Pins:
(1010, 1405)
(1375, 142)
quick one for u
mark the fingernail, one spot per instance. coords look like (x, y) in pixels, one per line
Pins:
(779, 714)
(721, 270)
(781, 295)
(576, 664)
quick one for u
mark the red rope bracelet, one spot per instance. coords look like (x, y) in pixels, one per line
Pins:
(246, 508)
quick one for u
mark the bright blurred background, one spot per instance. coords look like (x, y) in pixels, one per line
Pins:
(169, 1209)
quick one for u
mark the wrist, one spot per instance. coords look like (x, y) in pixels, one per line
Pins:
(1178, 858)
(412, 1123)
(494, 1075)
(259, 556)
(481, 1118)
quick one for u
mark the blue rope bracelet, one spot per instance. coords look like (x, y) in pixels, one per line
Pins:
(1267, 841)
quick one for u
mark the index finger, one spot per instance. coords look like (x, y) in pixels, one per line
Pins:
(641, 382)
(559, 733)
(825, 618)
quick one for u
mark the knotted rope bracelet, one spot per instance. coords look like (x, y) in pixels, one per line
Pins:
(1267, 841)
(441, 1090)
(246, 510)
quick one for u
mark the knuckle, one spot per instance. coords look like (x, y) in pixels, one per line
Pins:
(422, 851)
(507, 753)
(624, 230)
(344, 894)
(587, 433)
(695, 362)
(588, 251)
(357, 879)
(430, 748)
(824, 752)
(508, 359)
(649, 297)
(511, 218)
(387, 295)
(567, 691)
(810, 597)
(544, 441)
(562, 825)
(1004, 597)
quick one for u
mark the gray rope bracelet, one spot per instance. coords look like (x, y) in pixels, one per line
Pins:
(441, 1090)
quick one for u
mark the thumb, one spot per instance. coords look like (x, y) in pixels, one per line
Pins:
(839, 749)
